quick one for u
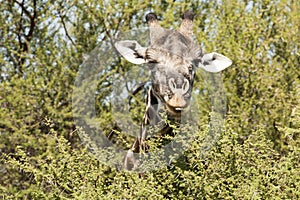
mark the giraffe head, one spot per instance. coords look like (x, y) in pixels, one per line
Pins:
(173, 58)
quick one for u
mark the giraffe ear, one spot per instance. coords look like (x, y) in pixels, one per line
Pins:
(214, 62)
(132, 51)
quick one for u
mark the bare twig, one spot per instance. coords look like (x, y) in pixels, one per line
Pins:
(65, 28)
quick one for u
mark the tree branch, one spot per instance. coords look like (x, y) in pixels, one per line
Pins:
(23, 45)
(65, 28)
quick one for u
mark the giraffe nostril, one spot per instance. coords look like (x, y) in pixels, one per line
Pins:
(172, 84)
(185, 86)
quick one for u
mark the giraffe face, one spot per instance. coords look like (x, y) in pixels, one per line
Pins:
(173, 58)
(174, 89)
(172, 79)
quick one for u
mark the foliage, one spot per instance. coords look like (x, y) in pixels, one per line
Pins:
(43, 44)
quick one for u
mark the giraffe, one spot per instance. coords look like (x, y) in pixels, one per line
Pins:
(173, 58)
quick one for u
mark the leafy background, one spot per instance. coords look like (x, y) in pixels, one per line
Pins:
(42, 45)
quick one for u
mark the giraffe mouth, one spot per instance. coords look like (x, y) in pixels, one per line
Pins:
(176, 111)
